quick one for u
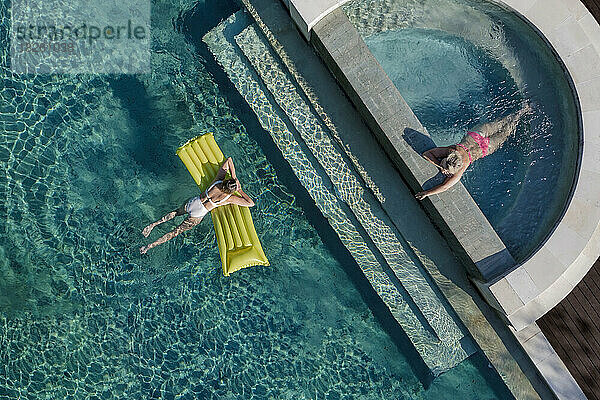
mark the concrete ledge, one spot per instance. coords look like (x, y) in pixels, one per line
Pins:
(549, 364)
(307, 13)
(403, 137)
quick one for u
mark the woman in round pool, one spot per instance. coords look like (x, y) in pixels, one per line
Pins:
(484, 140)
(219, 193)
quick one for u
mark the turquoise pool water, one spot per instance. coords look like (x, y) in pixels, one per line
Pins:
(87, 161)
(461, 63)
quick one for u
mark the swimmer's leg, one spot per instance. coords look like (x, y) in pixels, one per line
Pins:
(503, 124)
(490, 129)
(500, 130)
(167, 217)
(187, 224)
(498, 138)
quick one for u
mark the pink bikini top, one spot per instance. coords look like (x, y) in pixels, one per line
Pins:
(482, 141)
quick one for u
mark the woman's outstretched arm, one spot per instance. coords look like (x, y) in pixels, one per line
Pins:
(232, 168)
(447, 184)
(222, 172)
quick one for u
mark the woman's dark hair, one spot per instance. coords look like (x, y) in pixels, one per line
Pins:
(228, 186)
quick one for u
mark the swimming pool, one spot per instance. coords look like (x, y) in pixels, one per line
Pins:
(460, 63)
(87, 162)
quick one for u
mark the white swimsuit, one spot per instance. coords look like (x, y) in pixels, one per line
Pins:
(196, 208)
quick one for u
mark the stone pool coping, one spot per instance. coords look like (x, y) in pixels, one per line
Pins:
(307, 13)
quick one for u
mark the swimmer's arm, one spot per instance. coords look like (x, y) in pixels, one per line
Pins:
(232, 169)
(243, 200)
(222, 172)
(435, 154)
(447, 184)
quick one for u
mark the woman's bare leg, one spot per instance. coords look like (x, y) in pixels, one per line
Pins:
(500, 130)
(167, 217)
(187, 224)
(506, 123)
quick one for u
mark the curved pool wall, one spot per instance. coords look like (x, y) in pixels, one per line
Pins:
(460, 64)
(542, 281)
(87, 161)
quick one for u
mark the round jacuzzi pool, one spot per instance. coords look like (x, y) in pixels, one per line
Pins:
(462, 63)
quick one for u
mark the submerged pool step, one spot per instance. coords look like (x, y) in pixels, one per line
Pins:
(439, 355)
(348, 184)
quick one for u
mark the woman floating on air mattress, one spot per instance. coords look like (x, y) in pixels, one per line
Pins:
(219, 193)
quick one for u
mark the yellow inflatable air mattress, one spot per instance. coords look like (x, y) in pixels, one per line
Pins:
(239, 245)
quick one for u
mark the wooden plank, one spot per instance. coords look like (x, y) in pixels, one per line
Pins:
(584, 350)
(589, 302)
(592, 278)
(593, 7)
(573, 330)
(558, 337)
(569, 355)
(580, 295)
(551, 334)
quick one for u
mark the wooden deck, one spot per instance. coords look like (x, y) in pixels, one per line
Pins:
(594, 7)
(573, 330)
